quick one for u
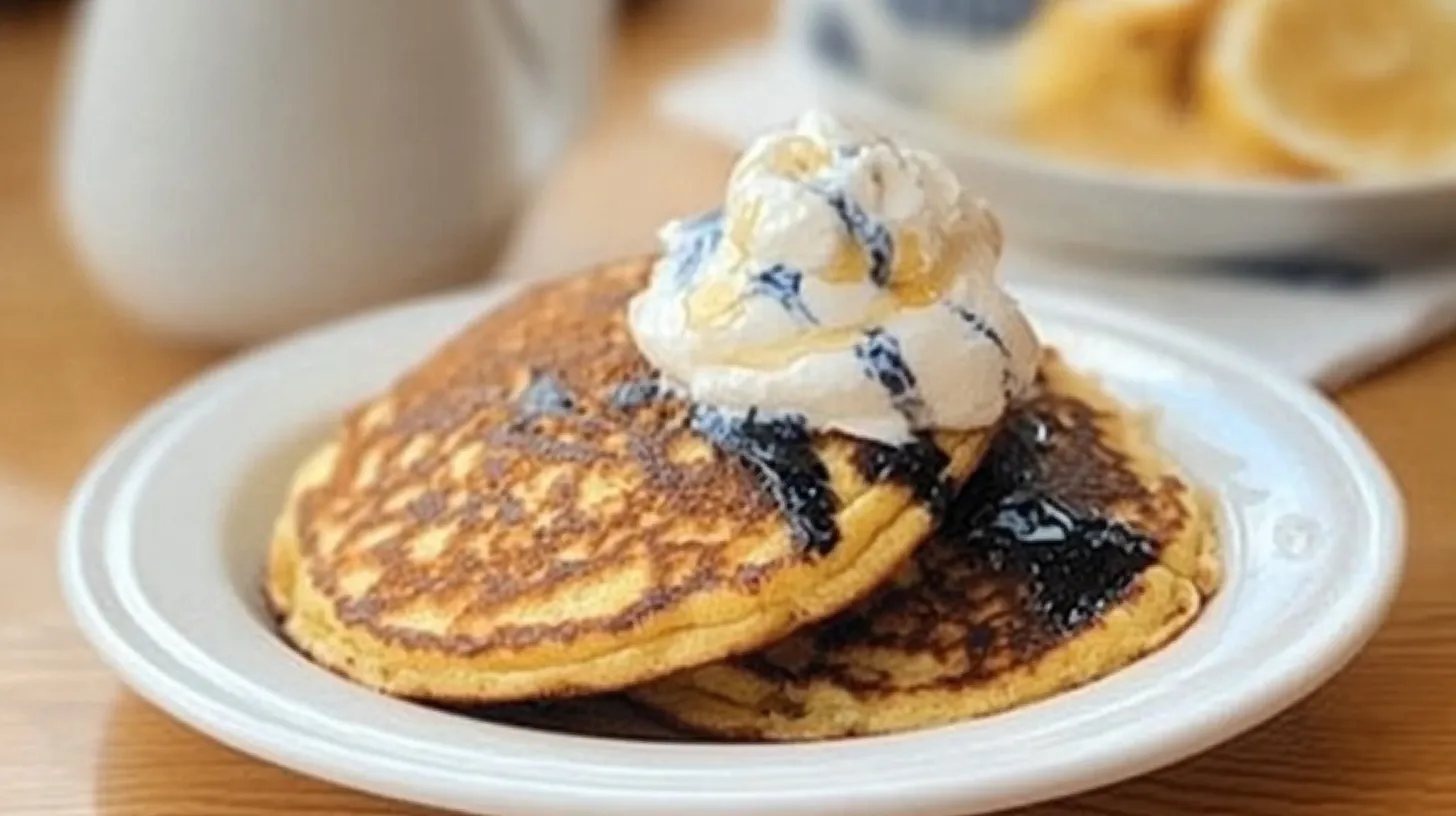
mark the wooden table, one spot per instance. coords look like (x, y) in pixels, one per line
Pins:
(1379, 739)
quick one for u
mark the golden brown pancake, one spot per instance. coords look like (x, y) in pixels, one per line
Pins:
(1074, 550)
(520, 517)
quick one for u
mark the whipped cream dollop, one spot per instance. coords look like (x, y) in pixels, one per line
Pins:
(846, 280)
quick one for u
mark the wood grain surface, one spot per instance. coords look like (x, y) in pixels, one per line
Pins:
(1379, 739)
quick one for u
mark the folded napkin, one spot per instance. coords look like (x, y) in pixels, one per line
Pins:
(1326, 323)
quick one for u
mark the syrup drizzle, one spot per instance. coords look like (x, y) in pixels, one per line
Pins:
(696, 240)
(631, 394)
(779, 451)
(979, 325)
(544, 395)
(880, 357)
(877, 241)
(1074, 561)
(783, 285)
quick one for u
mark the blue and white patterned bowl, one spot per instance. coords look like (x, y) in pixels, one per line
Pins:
(881, 61)
(913, 48)
(971, 19)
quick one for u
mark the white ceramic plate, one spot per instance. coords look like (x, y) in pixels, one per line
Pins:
(164, 545)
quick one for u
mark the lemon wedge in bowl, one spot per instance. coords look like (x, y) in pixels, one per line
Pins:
(1077, 55)
(1349, 89)
(1108, 81)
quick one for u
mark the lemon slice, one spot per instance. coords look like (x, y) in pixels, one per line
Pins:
(1107, 58)
(1107, 81)
(1349, 88)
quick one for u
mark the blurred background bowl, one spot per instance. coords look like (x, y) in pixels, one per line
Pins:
(883, 61)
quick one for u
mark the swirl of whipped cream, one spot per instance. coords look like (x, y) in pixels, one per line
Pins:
(846, 280)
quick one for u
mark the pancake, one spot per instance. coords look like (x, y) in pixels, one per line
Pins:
(524, 516)
(1074, 550)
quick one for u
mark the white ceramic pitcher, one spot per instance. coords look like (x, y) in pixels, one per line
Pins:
(233, 169)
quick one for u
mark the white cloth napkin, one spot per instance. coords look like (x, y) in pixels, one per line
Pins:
(1330, 332)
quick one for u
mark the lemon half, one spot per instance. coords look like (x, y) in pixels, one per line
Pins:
(1346, 88)
(1125, 56)
(1109, 81)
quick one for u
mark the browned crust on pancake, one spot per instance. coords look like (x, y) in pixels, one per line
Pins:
(954, 635)
(444, 546)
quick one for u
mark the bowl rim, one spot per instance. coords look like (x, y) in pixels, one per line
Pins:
(942, 135)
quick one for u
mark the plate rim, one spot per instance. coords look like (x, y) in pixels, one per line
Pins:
(1094, 767)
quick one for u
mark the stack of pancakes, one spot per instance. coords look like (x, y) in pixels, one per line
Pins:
(525, 517)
